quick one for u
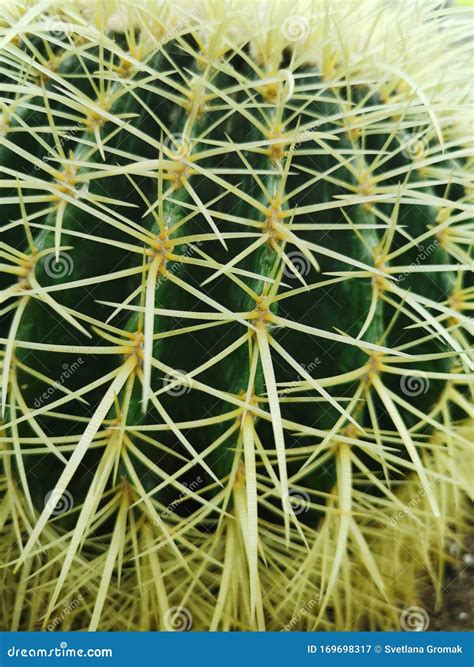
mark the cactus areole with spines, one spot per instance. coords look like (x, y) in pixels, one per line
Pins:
(236, 285)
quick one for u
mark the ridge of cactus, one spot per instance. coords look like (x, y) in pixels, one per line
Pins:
(236, 286)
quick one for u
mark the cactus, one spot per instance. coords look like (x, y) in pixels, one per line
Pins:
(235, 344)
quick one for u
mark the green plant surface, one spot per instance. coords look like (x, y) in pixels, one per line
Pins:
(235, 335)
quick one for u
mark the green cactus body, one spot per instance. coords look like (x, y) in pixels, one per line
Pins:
(234, 321)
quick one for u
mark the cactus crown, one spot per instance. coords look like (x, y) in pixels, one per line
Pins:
(236, 278)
